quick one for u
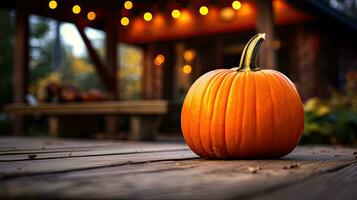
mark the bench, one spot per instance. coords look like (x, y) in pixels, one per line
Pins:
(143, 114)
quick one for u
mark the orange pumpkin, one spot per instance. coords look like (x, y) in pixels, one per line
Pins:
(243, 112)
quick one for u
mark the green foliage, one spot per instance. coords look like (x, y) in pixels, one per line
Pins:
(130, 71)
(333, 120)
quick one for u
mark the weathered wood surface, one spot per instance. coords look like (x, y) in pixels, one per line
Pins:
(132, 170)
(150, 107)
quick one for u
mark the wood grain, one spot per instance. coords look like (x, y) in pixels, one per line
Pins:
(336, 184)
(165, 173)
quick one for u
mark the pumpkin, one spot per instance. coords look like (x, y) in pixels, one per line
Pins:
(243, 112)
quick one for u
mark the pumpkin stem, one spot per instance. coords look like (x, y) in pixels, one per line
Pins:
(248, 60)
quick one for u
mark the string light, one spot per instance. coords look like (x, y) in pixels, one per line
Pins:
(187, 69)
(128, 5)
(236, 5)
(52, 4)
(176, 14)
(147, 16)
(189, 55)
(91, 16)
(159, 60)
(76, 9)
(124, 21)
(203, 10)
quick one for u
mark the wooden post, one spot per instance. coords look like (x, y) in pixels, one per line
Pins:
(265, 24)
(147, 73)
(53, 126)
(304, 59)
(20, 70)
(111, 55)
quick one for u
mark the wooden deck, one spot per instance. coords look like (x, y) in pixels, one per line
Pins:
(59, 168)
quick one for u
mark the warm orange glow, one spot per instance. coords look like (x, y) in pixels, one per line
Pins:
(203, 10)
(187, 69)
(128, 5)
(227, 13)
(158, 21)
(185, 18)
(189, 55)
(192, 24)
(176, 14)
(124, 21)
(91, 16)
(52, 4)
(147, 16)
(246, 9)
(236, 5)
(76, 9)
(159, 60)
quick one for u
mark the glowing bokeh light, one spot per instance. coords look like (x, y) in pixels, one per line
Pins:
(52, 4)
(91, 16)
(76, 9)
(176, 14)
(124, 21)
(147, 16)
(227, 13)
(203, 10)
(189, 55)
(236, 5)
(128, 5)
(159, 60)
(187, 69)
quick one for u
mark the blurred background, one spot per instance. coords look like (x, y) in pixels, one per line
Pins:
(80, 51)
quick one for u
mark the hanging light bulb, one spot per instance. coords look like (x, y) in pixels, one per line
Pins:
(128, 5)
(176, 14)
(187, 69)
(203, 10)
(159, 60)
(124, 21)
(236, 5)
(52, 4)
(91, 16)
(147, 16)
(76, 9)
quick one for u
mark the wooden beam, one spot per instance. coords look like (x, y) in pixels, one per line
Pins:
(20, 70)
(106, 77)
(265, 24)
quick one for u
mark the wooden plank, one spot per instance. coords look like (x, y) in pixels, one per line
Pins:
(107, 107)
(181, 179)
(26, 143)
(44, 166)
(22, 145)
(337, 184)
(101, 151)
